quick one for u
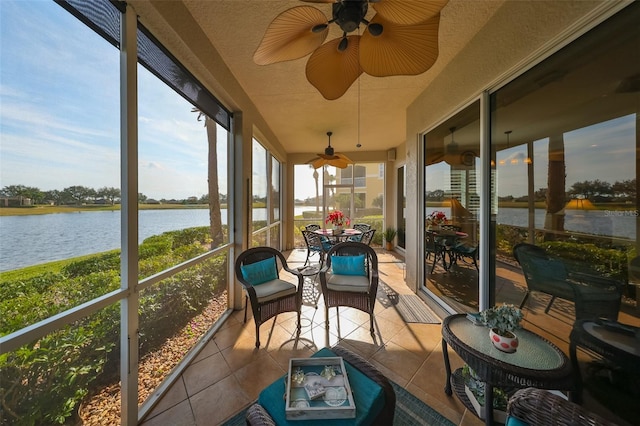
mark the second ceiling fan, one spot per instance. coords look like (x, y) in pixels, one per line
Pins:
(330, 158)
(401, 39)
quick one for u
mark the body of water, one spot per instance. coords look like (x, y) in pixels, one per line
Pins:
(34, 239)
(610, 223)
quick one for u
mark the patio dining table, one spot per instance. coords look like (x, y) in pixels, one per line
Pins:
(342, 236)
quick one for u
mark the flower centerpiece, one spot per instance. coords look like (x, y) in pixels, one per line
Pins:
(337, 220)
(502, 321)
(436, 218)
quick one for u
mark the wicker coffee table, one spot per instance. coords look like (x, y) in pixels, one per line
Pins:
(537, 362)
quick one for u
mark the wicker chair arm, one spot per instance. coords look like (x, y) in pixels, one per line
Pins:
(258, 416)
(540, 407)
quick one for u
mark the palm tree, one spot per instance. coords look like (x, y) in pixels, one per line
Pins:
(215, 215)
(315, 177)
(554, 219)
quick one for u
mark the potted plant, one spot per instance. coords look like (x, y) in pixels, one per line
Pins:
(389, 234)
(474, 387)
(502, 321)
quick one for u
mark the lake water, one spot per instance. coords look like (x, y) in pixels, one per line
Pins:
(33, 239)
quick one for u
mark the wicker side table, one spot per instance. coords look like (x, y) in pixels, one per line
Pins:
(537, 362)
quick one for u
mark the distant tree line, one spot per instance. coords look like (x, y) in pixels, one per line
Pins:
(593, 190)
(78, 195)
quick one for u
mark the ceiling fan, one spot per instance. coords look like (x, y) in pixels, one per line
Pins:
(330, 158)
(401, 39)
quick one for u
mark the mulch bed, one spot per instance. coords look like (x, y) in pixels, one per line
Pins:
(103, 407)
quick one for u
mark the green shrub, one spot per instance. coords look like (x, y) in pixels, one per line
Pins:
(100, 262)
(44, 381)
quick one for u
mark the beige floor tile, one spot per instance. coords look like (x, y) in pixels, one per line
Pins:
(210, 349)
(205, 373)
(395, 358)
(219, 402)
(179, 415)
(259, 374)
(176, 394)
(230, 372)
(227, 337)
(418, 338)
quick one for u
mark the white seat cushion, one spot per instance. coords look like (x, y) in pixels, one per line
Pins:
(354, 283)
(274, 289)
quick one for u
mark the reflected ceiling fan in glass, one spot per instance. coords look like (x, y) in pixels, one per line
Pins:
(401, 39)
(330, 158)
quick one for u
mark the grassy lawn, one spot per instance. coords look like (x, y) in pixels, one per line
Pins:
(35, 270)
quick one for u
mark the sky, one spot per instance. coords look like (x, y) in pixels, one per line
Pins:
(59, 112)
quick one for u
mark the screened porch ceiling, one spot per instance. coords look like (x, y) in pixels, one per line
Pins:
(299, 117)
(295, 111)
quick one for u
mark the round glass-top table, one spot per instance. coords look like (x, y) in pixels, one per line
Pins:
(537, 362)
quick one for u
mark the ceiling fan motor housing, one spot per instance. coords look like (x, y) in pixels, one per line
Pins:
(348, 14)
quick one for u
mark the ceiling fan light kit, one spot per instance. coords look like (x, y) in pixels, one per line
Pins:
(401, 39)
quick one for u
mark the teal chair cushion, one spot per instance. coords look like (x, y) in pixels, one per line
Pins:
(260, 272)
(514, 421)
(367, 395)
(348, 265)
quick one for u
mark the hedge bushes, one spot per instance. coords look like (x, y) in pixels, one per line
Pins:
(43, 382)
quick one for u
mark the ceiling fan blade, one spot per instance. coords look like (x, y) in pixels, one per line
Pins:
(339, 163)
(400, 49)
(331, 71)
(318, 162)
(405, 12)
(289, 35)
(344, 158)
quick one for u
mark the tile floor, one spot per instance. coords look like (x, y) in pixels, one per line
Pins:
(230, 373)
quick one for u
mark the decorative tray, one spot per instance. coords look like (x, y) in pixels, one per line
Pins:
(318, 388)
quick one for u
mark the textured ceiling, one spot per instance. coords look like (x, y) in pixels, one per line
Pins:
(294, 110)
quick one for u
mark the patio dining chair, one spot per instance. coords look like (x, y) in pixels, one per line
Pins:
(316, 243)
(362, 227)
(312, 227)
(350, 278)
(258, 270)
(433, 247)
(593, 295)
(466, 253)
(367, 237)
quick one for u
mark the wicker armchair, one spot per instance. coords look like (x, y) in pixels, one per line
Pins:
(594, 296)
(354, 290)
(541, 407)
(267, 293)
(257, 415)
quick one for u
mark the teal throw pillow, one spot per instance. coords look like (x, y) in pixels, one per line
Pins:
(260, 272)
(348, 265)
(514, 421)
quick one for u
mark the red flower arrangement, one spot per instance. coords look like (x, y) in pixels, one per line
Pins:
(437, 218)
(337, 218)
